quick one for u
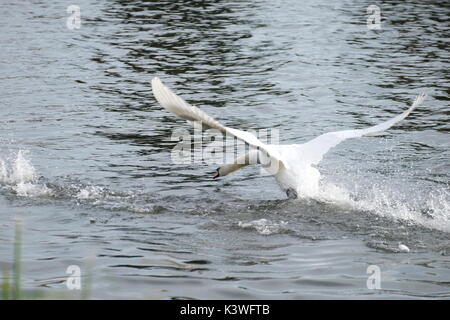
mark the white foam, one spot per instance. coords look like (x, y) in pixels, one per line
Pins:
(264, 226)
(28, 189)
(389, 203)
(20, 175)
(329, 192)
(90, 193)
(23, 171)
(3, 172)
(403, 248)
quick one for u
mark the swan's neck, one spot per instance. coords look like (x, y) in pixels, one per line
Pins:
(251, 157)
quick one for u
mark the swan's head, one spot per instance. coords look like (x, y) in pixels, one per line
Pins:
(217, 173)
(226, 169)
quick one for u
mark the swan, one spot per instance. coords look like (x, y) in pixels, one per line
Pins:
(292, 165)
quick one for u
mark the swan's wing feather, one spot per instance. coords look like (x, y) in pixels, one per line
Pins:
(178, 106)
(175, 104)
(247, 137)
(313, 151)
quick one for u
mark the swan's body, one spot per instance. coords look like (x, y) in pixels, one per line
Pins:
(291, 165)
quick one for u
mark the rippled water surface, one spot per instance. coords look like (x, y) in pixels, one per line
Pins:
(85, 149)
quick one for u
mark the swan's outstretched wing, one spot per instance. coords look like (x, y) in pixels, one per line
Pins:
(312, 151)
(175, 104)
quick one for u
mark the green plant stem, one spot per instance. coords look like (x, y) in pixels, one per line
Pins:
(17, 253)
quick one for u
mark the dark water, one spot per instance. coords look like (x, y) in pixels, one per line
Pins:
(85, 148)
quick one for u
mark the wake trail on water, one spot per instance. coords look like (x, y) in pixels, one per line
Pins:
(19, 176)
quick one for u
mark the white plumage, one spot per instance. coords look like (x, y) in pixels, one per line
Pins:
(294, 162)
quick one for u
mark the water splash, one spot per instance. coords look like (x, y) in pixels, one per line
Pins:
(90, 193)
(19, 170)
(20, 176)
(431, 210)
(17, 174)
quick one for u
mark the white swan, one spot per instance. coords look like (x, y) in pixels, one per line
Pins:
(291, 165)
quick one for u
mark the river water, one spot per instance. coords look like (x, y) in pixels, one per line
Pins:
(85, 150)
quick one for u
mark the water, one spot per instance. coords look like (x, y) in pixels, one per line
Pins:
(85, 149)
